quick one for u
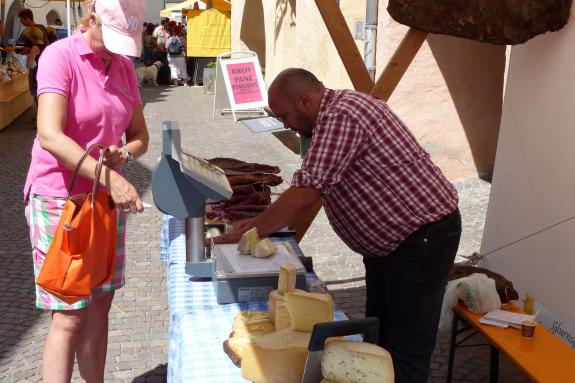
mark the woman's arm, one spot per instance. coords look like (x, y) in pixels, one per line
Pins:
(52, 110)
(137, 139)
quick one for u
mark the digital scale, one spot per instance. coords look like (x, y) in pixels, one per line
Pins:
(243, 278)
(181, 185)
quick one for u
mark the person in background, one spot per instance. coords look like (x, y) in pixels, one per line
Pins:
(1, 32)
(159, 38)
(58, 22)
(34, 52)
(147, 45)
(27, 19)
(52, 36)
(176, 54)
(385, 199)
(72, 72)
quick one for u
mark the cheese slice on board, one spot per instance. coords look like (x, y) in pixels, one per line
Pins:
(307, 309)
(264, 248)
(278, 357)
(347, 361)
(248, 241)
(287, 278)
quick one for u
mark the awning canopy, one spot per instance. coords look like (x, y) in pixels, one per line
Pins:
(189, 4)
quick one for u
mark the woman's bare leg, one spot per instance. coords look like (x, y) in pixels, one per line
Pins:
(92, 346)
(63, 335)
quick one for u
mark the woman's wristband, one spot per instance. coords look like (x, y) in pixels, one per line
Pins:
(128, 157)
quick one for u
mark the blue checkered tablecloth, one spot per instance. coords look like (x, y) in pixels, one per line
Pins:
(198, 324)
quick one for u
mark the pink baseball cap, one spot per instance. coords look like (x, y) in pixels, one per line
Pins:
(122, 22)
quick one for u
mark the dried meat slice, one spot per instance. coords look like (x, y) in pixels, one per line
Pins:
(232, 166)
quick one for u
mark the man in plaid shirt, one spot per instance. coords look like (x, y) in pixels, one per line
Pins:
(386, 200)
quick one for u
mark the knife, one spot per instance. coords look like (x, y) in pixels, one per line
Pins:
(369, 327)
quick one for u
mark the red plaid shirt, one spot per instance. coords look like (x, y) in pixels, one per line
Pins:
(378, 184)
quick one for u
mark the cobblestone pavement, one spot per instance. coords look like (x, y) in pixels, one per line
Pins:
(139, 318)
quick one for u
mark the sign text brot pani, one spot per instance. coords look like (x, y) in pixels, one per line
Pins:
(244, 83)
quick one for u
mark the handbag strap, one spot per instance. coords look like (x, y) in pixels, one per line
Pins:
(99, 166)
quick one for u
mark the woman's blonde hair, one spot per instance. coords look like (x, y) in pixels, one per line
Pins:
(84, 23)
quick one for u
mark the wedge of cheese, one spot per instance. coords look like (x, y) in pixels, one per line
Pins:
(247, 325)
(278, 357)
(274, 298)
(307, 309)
(252, 322)
(282, 318)
(287, 278)
(264, 248)
(346, 361)
(248, 241)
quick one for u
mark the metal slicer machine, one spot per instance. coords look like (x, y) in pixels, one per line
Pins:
(181, 184)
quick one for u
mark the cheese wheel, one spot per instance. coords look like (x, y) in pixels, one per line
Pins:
(247, 325)
(278, 357)
(347, 361)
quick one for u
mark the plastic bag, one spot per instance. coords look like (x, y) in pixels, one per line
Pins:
(477, 291)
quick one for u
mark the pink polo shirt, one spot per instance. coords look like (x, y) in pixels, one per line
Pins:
(100, 107)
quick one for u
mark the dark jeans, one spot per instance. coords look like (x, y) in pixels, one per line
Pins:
(160, 56)
(405, 291)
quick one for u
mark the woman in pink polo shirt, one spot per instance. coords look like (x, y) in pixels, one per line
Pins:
(88, 93)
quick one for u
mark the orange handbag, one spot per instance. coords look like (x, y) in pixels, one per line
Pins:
(82, 254)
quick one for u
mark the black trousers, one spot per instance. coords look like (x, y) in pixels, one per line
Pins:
(405, 291)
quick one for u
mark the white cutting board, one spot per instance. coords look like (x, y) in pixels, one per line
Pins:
(233, 261)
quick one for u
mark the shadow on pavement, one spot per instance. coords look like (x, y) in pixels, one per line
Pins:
(140, 176)
(157, 375)
(153, 94)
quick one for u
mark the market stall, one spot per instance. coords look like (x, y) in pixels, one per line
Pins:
(238, 311)
(15, 97)
(208, 35)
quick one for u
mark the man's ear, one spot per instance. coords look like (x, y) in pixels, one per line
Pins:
(304, 100)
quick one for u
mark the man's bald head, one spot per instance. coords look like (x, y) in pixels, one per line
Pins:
(292, 81)
(295, 97)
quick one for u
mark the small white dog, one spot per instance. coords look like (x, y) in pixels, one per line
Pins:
(147, 75)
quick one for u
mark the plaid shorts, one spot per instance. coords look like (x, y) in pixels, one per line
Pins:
(43, 215)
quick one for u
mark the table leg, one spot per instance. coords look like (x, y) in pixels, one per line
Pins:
(452, 345)
(494, 369)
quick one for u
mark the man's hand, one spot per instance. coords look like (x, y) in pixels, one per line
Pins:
(231, 237)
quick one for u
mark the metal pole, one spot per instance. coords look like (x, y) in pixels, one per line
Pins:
(195, 249)
(68, 21)
(370, 36)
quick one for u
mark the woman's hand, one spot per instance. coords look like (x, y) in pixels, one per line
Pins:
(125, 195)
(114, 157)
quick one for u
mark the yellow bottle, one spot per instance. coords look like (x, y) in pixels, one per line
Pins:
(528, 304)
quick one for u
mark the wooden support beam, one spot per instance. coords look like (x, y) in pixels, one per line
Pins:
(345, 45)
(398, 64)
